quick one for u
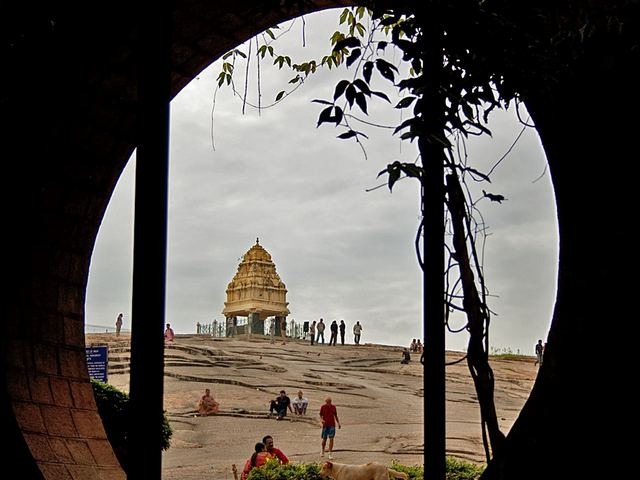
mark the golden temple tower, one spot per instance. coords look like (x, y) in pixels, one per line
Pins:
(256, 290)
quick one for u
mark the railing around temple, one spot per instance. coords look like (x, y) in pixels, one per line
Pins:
(223, 328)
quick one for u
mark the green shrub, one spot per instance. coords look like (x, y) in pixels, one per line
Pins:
(113, 407)
(461, 470)
(272, 470)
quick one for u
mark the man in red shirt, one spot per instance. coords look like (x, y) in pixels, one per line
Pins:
(329, 418)
(273, 451)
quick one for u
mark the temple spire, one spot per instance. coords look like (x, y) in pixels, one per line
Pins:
(257, 241)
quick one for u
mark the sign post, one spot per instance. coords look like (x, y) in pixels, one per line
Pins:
(97, 361)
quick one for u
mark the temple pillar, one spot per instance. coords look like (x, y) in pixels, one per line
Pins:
(256, 325)
(279, 319)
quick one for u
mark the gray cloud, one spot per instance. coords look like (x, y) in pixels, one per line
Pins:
(342, 252)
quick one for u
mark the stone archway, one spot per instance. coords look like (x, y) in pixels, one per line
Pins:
(68, 121)
(84, 105)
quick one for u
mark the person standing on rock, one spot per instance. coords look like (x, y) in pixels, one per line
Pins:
(539, 351)
(320, 329)
(118, 324)
(168, 333)
(312, 332)
(329, 419)
(272, 329)
(334, 333)
(283, 330)
(357, 330)
(343, 328)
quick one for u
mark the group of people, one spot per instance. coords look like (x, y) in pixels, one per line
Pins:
(168, 332)
(416, 346)
(316, 332)
(263, 452)
(282, 403)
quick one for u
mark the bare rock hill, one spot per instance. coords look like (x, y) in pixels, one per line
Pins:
(379, 401)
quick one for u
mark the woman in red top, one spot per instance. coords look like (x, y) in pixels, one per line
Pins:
(258, 459)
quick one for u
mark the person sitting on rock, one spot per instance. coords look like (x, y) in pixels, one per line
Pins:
(300, 404)
(208, 405)
(280, 405)
(406, 356)
(258, 459)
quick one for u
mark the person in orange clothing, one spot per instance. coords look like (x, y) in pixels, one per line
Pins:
(208, 404)
(273, 451)
(258, 459)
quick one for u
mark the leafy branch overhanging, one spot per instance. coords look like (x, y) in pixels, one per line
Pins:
(471, 91)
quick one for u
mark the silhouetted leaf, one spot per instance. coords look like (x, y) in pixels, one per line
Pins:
(338, 116)
(355, 54)
(386, 69)
(350, 94)
(324, 102)
(367, 70)
(394, 175)
(349, 42)
(412, 170)
(349, 134)
(388, 21)
(325, 116)
(381, 95)
(479, 174)
(405, 102)
(362, 85)
(361, 100)
(403, 125)
(340, 88)
(280, 95)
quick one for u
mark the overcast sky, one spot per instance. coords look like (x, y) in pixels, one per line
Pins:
(342, 252)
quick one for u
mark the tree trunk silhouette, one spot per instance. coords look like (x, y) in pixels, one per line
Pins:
(477, 321)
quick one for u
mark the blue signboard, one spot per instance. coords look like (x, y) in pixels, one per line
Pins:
(97, 360)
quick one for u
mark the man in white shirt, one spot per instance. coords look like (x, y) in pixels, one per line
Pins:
(300, 404)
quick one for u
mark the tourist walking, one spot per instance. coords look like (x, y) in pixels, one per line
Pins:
(343, 328)
(329, 419)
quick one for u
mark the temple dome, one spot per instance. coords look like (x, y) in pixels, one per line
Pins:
(256, 287)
